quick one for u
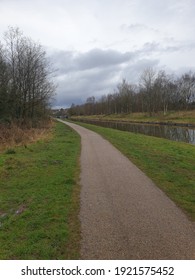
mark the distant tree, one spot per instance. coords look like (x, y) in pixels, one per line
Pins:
(126, 93)
(163, 86)
(186, 87)
(90, 105)
(4, 85)
(147, 80)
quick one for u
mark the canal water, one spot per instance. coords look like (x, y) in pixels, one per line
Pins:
(171, 132)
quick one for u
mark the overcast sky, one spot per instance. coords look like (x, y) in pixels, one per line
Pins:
(94, 44)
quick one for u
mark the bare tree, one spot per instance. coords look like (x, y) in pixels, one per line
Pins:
(186, 89)
(147, 81)
(30, 85)
(163, 86)
(4, 84)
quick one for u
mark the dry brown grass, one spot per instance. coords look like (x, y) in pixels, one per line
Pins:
(187, 117)
(14, 135)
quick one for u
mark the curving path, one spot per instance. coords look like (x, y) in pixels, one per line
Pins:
(123, 214)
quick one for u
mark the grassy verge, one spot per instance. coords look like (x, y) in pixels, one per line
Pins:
(183, 117)
(39, 199)
(169, 164)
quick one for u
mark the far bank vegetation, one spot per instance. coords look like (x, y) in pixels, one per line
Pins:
(26, 87)
(156, 92)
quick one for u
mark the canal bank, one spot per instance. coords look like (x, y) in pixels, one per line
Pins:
(182, 132)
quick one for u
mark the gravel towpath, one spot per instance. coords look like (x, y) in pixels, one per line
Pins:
(123, 214)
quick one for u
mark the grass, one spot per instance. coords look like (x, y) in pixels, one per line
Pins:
(171, 165)
(171, 117)
(39, 201)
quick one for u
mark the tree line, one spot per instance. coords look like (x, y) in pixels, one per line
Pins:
(156, 91)
(26, 87)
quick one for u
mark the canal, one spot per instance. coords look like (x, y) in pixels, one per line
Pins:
(171, 132)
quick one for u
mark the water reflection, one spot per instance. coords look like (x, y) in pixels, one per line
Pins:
(175, 133)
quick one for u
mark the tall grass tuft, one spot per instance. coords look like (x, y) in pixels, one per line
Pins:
(15, 135)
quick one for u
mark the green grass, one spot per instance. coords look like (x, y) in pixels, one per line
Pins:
(171, 165)
(39, 198)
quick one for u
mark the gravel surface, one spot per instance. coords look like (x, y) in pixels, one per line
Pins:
(123, 214)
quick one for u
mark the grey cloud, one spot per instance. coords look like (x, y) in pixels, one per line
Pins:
(176, 46)
(102, 58)
(63, 61)
(165, 46)
(66, 61)
(150, 47)
(137, 27)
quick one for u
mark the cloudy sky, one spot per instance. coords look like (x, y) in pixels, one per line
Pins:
(94, 44)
